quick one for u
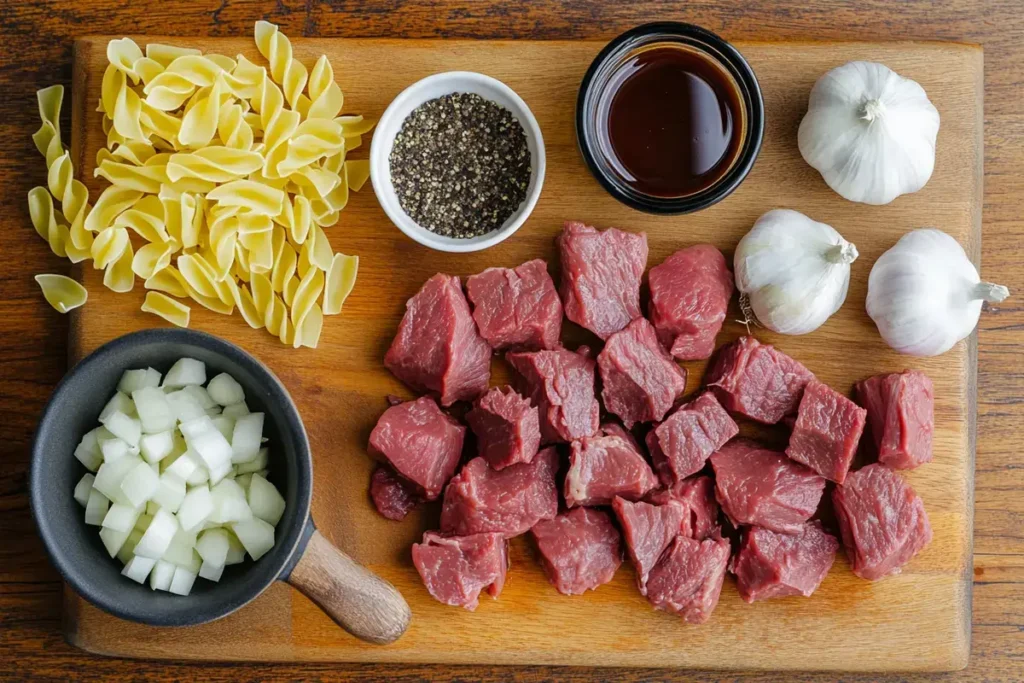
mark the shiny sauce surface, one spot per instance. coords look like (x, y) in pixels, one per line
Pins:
(673, 121)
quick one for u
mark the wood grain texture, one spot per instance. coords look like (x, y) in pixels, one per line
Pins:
(360, 602)
(918, 620)
(36, 51)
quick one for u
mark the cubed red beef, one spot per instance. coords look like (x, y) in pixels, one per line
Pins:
(774, 565)
(420, 442)
(437, 348)
(392, 497)
(764, 488)
(580, 549)
(826, 432)
(601, 272)
(697, 496)
(455, 569)
(648, 530)
(640, 380)
(603, 467)
(690, 292)
(688, 579)
(561, 384)
(615, 429)
(480, 499)
(507, 428)
(882, 520)
(681, 444)
(756, 380)
(517, 309)
(901, 417)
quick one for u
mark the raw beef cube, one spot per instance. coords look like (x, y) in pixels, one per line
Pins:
(641, 381)
(518, 308)
(561, 384)
(690, 294)
(601, 272)
(455, 569)
(764, 488)
(688, 580)
(882, 521)
(480, 499)
(697, 496)
(420, 442)
(580, 549)
(392, 497)
(826, 432)
(437, 348)
(648, 530)
(681, 444)
(613, 429)
(754, 379)
(774, 565)
(603, 467)
(507, 428)
(901, 417)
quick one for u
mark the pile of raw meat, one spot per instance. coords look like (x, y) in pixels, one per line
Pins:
(633, 467)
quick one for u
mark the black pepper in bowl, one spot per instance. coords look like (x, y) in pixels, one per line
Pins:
(460, 165)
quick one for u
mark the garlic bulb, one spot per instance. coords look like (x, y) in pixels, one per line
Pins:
(869, 132)
(925, 295)
(793, 271)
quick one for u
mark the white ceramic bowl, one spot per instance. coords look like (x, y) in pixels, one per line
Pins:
(391, 122)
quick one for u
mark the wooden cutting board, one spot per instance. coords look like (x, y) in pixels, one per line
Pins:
(918, 620)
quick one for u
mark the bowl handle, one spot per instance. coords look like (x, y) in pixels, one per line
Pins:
(359, 601)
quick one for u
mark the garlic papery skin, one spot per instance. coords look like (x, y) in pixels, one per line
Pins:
(925, 295)
(869, 132)
(794, 271)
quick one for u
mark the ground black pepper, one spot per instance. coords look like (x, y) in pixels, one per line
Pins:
(460, 165)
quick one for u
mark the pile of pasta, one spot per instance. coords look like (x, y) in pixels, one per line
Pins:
(226, 172)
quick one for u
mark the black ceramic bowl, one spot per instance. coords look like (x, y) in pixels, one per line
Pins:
(591, 109)
(362, 603)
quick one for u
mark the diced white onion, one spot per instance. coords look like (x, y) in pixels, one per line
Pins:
(114, 449)
(182, 466)
(156, 447)
(181, 583)
(133, 380)
(235, 410)
(181, 551)
(123, 427)
(127, 550)
(202, 396)
(158, 536)
(264, 500)
(224, 425)
(138, 568)
(225, 390)
(213, 546)
(121, 517)
(211, 572)
(113, 540)
(255, 535)
(154, 410)
(140, 484)
(229, 503)
(110, 475)
(247, 437)
(169, 493)
(236, 551)
(96, 508)
(83, 489)
(160, 578)
(145, 519)
(257, 464)
(186, 371)
(184, 406)
(88, 451)
(119, 402)
(196, 507)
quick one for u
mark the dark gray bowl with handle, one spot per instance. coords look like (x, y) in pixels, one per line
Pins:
(362, 603)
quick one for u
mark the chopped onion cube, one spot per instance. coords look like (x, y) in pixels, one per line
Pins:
(160, 578)
(243, 480)
(236, 551)
(156, 447)
(114, 449)
(202, 397)
(225, 390)
(247, 437)
(196, 507)
(200, 475)
(121, 517)
(229, 503)
(96, 508)
(181, 551)
(127, 551)
(133, 380)
(181, 583)
(264, 500)
(145, 519)
(184, 406)
(111, 474)
(213, 546)
(113, 540)
(124, 427)
(255, 535)
(154, 410)
(83, 489)
(151, 507)
(211, 572)
(209, 444)
(235, 410)
(118, 403)
(169, 493)
(224, 425)
(158, 536)
(182, 466)
(88, 451)
(186, 371)
(138, 568)
(255, 465)
(140, 484)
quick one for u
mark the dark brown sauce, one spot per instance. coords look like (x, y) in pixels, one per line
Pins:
(674, 121)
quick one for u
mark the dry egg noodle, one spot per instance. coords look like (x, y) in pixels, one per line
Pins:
(223, 173)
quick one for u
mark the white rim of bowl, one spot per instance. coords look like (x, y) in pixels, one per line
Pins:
(417, 232)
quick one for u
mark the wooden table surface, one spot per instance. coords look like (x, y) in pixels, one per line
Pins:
(35, 50)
